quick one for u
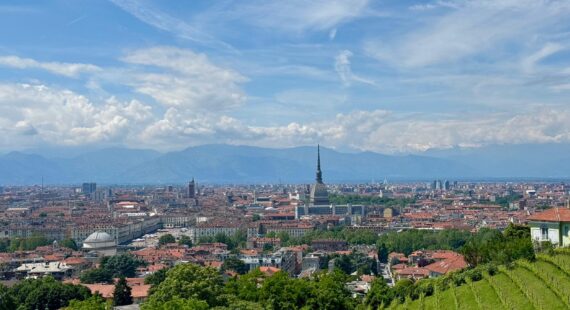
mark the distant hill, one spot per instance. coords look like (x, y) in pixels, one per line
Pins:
(247, 164)
(544, 284)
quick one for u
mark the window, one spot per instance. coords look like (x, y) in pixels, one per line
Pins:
(566, 229)
(544, 233)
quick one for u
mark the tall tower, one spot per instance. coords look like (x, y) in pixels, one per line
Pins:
(319, 192)
(319, 177)
(191, 189)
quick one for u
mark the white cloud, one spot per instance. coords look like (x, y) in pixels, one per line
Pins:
(163, 21)
(186, 80)
(342, 68)
(547, 50)
(473, 28)
(300, 15)
(60, 68)
(62, 117)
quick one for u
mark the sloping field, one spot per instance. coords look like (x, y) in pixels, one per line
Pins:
(544, 284)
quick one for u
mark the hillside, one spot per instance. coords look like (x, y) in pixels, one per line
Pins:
(544, 284)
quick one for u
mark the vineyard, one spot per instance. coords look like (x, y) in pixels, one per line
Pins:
(543, 284)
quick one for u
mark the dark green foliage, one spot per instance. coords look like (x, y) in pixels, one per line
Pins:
(166, 239)
(7, 301)
(156, 277)
(27, 244)
(235, 264)
(98, 275)
(403, 289)
(246, 286)
(383, 253)
(95, 302)
(185, 240)
(188, 281)
(490, 246)
(281, 292)
(4, 245)
(355, 262)
(122, 293)
(370, 200)
(379, 294)
(517, 231)
(69, 243)
(330, 292)
(123, 265)
(411, 240)
(47, 293)
(351, 236)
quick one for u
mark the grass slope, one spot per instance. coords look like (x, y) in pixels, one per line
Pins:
(544, 284)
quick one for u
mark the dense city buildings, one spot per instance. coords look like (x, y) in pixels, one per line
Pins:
(295, 228)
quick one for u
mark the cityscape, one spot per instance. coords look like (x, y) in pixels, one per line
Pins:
(248, 155)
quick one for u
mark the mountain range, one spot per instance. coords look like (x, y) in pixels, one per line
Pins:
(246, 164)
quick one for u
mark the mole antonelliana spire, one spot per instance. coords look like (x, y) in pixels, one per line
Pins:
(319, 194)
(319, 172)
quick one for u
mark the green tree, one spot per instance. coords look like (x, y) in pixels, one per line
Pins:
(281, 292)
(69, 243)
(123, 265)
(156, 277)
(189, 281)
(95, 302)
(47, 293)
(330, 292)
(185, 240)
(122, 293)
(383, 253)
(403, 289)
(176, 303)
(378, 295)
(7, 301)
(235, 264)
(517, 231)
(97, 275)
(246, 287)
(166, 239)
(267, 247)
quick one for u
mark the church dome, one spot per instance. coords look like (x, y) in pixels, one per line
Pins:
(99, 236)
(100, 242)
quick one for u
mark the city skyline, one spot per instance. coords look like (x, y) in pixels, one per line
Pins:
(388, 77)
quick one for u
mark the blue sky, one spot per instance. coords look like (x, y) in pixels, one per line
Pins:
(386, 76)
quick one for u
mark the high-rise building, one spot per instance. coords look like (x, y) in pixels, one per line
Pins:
(319, 192)
(446, 185)
(438, 185)
(191, 189)
(88, 188)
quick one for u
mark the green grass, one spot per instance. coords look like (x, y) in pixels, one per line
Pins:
(561, 260)
(447, 299)
(430, 303)
(544, 284)
(535, 289)
(486, 295)
(465, 298)
(509, 293)
(556, 279)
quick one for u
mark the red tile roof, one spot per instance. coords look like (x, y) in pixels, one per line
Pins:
(447, 265)
(552, 215)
